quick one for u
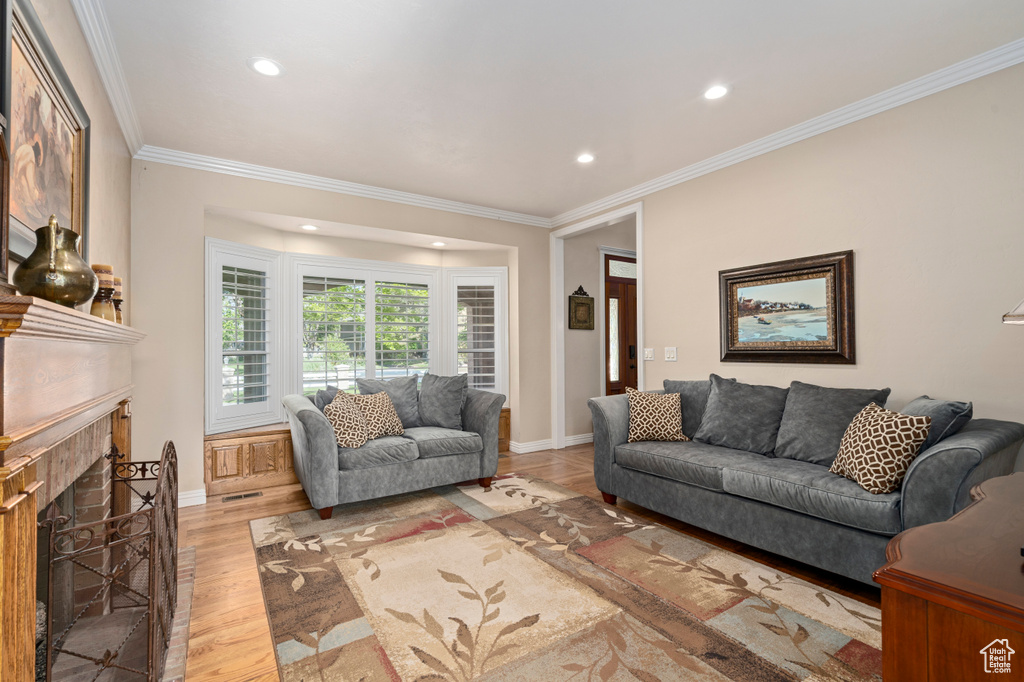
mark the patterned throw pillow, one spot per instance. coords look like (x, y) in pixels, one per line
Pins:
(347, 420)
(878, 447)
(654, 416)
(380, 414)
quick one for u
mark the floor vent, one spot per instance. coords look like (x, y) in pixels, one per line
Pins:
(243, 496)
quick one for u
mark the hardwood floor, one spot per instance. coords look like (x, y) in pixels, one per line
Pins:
(229, 637)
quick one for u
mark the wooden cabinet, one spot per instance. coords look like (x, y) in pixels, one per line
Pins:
(953, 592)
(504, 429)
(249, 460)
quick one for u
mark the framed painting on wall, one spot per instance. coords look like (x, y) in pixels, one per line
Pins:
(49, 138)
(798, 310)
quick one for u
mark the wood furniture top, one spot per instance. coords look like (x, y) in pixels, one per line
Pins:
(254, 432)
(972, 562)
(30, 316)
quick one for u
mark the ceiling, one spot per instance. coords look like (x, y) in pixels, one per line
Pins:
(489, 102)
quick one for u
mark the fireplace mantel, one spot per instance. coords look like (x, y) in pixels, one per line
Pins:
(62, 369)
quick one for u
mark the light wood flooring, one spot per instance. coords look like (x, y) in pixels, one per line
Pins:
(230, 637)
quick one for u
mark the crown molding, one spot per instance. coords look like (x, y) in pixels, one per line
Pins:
(93, 20)
(962, 72)
(284, 177)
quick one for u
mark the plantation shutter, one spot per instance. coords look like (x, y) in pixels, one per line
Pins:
(477, 350)
(333, 332)
(401, 328)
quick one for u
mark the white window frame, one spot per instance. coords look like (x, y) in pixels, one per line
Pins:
(220, 417)
(298, 266)
(498, 277)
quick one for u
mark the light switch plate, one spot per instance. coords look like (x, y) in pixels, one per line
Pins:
(670, 353)
(648, 353)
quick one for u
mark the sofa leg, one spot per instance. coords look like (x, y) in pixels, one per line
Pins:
(609, 498)
(485, 483)
(325, 513)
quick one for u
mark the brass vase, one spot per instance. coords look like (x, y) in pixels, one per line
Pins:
(54, 270)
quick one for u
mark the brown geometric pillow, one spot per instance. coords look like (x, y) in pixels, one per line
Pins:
(654, 416)
(381, 417)
(878, 447)
(347, 420)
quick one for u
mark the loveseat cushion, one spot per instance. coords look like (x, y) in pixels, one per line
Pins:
(435, 441)
(811, 489)
(691, 462)
(948, 417)
(441, 400)
(742, 416)
(403, 393)
(693, 398)
(378, 452)
(816, 418)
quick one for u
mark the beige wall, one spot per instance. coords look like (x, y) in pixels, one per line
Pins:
(109, 161)
(169, 225)
(930, 196)
(583, 361)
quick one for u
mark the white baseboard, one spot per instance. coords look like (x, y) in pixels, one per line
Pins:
(523, 448)
(579, 440)
(191, 498)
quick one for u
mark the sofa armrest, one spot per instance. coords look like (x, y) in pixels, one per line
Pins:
(939, 481)
(481, 414)
(314, 450)
(611, 428)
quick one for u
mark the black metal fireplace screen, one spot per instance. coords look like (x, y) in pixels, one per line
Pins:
(125, 578)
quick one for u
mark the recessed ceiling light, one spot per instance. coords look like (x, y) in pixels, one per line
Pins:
(310, 227)
(267, 67)
(716, 91)
(585, 158)
(438, 244)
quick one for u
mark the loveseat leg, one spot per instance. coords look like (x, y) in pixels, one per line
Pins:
(485, 483)
(325, 513)
(609, 498)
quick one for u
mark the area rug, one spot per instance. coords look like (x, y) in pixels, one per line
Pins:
(531, 581)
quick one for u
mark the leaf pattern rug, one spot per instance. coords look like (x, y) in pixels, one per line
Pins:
(531, 581)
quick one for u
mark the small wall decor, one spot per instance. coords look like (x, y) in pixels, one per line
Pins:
(581, 310)
(49, 137)
(798, 310)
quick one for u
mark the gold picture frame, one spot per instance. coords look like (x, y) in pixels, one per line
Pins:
(581, 310)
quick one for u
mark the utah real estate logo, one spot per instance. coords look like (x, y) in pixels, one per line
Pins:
(997, 656)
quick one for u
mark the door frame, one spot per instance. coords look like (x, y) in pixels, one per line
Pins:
(601, 312)
(558, 302)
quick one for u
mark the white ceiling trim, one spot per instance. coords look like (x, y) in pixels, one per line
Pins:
(967, 70)
(92, 18)
(285, 177)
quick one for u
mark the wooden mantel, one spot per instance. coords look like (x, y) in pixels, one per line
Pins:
(62, 369)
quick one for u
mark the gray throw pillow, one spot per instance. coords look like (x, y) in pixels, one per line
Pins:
(403, 394)
(441, 400)
(948, 417)
(693, 396)
(742, 416)
(324, 397)
(816, 418)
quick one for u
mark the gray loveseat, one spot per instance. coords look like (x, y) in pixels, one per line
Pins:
(424, 457)
(788, 506)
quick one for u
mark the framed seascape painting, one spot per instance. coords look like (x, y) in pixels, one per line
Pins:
(49, 137)
(798, 310)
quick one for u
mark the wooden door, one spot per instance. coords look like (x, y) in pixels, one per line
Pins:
(622, 357)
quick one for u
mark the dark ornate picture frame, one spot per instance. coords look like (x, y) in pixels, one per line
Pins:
(581, 310)
(763, 320)
(24, 28)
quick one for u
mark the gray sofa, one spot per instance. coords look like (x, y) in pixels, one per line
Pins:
(794, 508)
(424, 457)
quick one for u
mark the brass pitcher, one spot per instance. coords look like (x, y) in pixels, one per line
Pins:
(54, 270)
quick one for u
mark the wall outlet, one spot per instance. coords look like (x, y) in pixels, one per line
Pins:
(670, 353)
(648, 353)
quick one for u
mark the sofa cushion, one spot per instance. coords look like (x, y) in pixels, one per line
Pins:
(434, 441)
(403, 393)
(324, 397)
(380, 414)
(693, 397)
(441, 400)
(816, 418)
(654, 416)
(878, 448)
(948, 417)
(811, 489)
(742, 416)
(378, 452)
(691, 462)
(347, 421)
